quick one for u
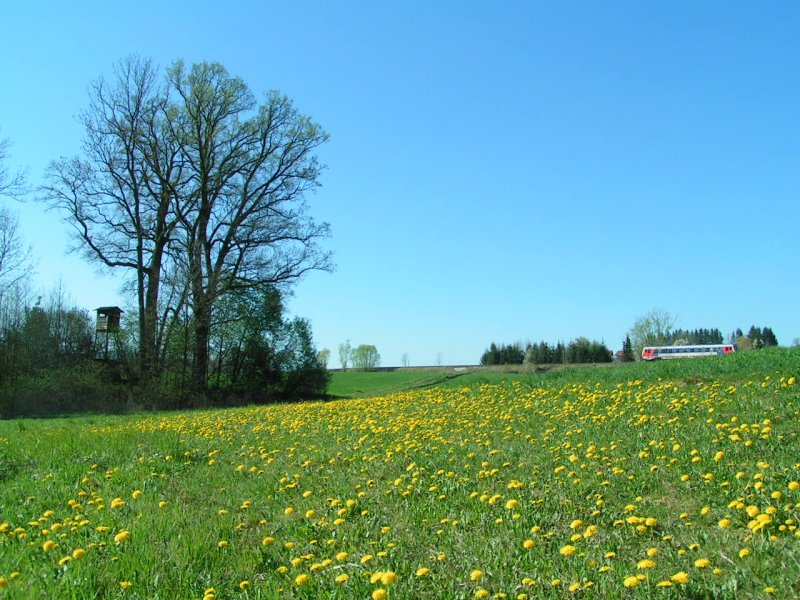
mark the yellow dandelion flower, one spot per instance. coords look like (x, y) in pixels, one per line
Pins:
(476, 575)
(379, 594)
(301, 579)
(49, 545)
(567, 550)
(243, 585)
(122, 536)
(631, 581)
(528, 544)
(482, 593)
(78, 553)
(702, 563)
(744, 552)
(645, 563)
(125, 584)
(136, 494)
(680, 577)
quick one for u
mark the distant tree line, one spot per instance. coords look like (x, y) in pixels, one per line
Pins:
(580, 350)
(696, 337)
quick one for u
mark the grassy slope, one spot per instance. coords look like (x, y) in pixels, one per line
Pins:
(422, 468)
(359, 384)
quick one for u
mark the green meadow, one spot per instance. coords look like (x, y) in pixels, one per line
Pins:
(668, 480)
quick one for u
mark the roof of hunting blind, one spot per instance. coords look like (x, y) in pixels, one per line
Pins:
(109, 309)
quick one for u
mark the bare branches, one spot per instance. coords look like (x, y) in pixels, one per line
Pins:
(12, 185)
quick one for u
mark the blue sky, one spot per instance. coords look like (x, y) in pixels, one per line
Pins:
(496, 172)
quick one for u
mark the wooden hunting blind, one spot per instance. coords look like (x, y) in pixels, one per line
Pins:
(108, 320)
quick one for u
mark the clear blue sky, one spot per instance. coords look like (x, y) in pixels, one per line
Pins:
(497, 171)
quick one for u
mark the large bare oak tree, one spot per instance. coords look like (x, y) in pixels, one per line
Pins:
(189, 175)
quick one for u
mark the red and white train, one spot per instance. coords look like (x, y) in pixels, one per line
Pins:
(697, 351)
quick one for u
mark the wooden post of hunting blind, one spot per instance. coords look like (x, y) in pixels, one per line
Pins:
(108, 319)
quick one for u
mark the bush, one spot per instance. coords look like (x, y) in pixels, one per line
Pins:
(86, 387)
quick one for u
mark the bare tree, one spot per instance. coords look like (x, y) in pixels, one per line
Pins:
(652, 329)
(15, 257)
(345, 354)
(243, 211)
(120, 195)
(191, 177)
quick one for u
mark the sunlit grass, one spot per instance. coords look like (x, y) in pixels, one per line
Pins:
(666, 480)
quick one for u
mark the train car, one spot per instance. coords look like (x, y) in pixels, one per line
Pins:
(696, 351)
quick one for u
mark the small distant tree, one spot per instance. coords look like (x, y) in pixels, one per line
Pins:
(627, 350)
(404, 359)
(652, 329)
(323, 357)
(530, 355)
(439, 359)
(366, 357)
(345, 354)
(744, 343)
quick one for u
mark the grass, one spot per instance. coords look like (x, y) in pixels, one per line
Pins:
(667, 480)
(360, 384)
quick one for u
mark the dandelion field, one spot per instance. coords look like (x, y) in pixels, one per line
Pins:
(650, 481)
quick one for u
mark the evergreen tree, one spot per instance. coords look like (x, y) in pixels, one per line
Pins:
(768, 337)
(627, 350)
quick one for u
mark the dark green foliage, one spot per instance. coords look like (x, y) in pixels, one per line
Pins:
(47, 364)
(628, 354)
(259, 356)
(696, 337)
(88, 386)
(512, 354)
(580, 350)
(756, 338)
